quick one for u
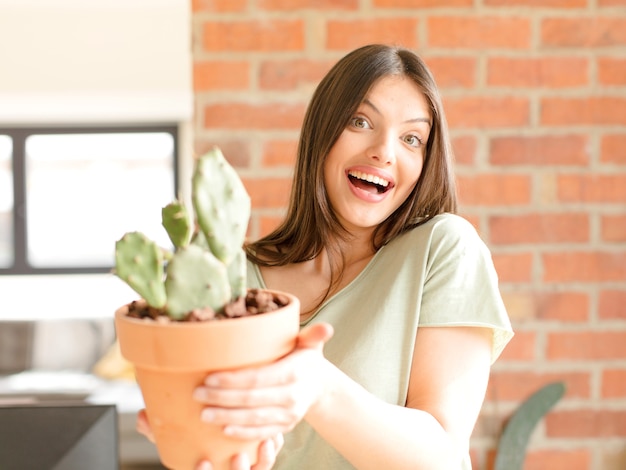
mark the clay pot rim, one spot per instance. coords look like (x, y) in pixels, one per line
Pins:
(121, 314)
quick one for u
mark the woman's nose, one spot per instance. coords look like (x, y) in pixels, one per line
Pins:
(384, 149)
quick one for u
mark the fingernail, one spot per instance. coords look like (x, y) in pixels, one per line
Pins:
(207, 415)
(270, 447)
(212, 381)
(242, 460)
(205, 466)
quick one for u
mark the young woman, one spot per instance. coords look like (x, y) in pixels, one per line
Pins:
(401, 313)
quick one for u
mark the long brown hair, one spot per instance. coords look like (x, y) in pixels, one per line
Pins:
(310, 224)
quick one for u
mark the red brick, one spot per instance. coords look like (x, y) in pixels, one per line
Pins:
(237, 152)
(592, 110)
(421, 3)
(268, 193)
(271, 116)
(519, 385)
(538, 3)
(279, 153)
(590, 423)
(513, 267)
(267, 35)
(612, 457)
(614, 383)
(540, 150)
(612, 305)
(521, 347)
(572, 459)
(221, 75)
(467, 32)
(612, 71)
(579, 32)
(474, 220)
(613, 149)
(268, 223)
(494, 189)
(289, 5)
(475, 457)
(289, 74)
(579, 266)
(586, 345)
(489, 458)
(521, 306)
(546, 72)
(487, 112)
(464, 149)
(219, 6)
(614, 228)
(349, 34)
(453, 72)
(563, 306)
(592, 188)
(539, 228)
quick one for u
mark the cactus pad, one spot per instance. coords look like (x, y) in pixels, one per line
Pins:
(222, 205)
(511, 451)
(177, 223)
(237, 275)
(195, 279)
(139, 262)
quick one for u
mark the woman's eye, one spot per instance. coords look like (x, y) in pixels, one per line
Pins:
(360, 123)
(412, 140)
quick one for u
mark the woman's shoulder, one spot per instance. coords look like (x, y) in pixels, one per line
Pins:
(447, 235)
(444, 234)
(444, 227)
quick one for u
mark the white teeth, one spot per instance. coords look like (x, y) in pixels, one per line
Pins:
(370, 178)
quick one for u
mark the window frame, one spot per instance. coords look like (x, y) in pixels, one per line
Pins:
(18, 136)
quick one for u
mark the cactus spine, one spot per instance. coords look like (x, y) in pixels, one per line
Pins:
(208, 265)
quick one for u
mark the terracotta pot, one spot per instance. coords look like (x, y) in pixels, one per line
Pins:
(171, 360)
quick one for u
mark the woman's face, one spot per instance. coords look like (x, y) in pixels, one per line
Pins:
(376, 162)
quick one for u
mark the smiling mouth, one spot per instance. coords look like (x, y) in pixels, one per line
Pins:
(368, 182)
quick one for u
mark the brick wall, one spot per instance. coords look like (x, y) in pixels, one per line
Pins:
(535, 93)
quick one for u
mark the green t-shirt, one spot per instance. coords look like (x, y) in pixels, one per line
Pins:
(438, 274)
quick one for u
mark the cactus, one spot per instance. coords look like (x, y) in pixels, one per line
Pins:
(222, 207)
(511, 450)
(207, 268)
(139, 262)
(177, 224)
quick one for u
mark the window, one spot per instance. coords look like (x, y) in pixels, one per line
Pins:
(6, 202)
(115, 71)
(66, 194)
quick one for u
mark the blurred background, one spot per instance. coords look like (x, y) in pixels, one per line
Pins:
(535, 95)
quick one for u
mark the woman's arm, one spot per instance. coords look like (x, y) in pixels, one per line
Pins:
(448, 380)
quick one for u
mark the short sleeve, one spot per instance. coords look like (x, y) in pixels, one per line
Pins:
(461, 284)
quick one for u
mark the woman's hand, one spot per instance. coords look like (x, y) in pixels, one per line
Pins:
(265, 459)
(268, 449)
(143, 426)
(262, 402)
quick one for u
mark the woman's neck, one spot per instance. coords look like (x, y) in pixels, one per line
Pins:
(315, 280)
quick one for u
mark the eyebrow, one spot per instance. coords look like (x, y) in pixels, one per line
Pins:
(419, 119)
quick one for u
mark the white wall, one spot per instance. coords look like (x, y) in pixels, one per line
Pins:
(95, 61)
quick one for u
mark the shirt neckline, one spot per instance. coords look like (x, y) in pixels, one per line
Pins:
(368, 267)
